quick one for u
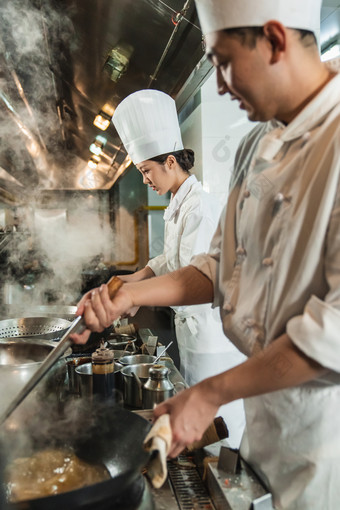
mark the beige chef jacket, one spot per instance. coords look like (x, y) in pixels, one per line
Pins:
(275, 265)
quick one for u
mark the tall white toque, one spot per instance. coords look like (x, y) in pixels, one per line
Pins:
(147, 124)
(220, 14)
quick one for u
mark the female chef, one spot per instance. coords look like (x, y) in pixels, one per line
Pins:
(147, 124)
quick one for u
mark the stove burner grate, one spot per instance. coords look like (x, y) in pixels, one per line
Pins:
(188, 487)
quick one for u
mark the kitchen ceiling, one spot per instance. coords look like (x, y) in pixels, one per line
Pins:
(54, 80)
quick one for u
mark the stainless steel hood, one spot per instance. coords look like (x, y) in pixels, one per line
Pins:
(55, 78)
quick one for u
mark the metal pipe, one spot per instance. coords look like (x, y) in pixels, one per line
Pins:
(165, 52)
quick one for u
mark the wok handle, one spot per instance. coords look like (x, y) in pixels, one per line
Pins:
(114, 284)
(216, 431)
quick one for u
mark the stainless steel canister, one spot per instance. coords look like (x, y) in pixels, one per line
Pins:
(157, 388)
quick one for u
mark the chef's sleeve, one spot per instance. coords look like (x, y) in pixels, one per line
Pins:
(317, 331)
(208, 263)
(158, 265)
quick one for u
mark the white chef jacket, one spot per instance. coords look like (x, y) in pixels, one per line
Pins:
(275, 265)
(190, 221)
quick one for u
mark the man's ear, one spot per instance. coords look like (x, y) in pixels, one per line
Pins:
(276, 35)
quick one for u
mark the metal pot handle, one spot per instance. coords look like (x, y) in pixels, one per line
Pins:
(139, 384)
(179, 386)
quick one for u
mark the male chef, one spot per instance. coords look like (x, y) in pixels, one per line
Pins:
(273, 267)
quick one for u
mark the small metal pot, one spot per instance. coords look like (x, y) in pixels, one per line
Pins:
(73, 379)
(135, 359)
(121, 341)
(134, 377)
(88, 386)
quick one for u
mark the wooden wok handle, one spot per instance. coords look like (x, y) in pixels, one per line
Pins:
(114, 284)
(216, 431)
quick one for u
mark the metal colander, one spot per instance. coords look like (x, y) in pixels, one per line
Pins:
(46, 328)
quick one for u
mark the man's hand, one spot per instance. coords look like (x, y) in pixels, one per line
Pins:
(99, 311)
(191, 412)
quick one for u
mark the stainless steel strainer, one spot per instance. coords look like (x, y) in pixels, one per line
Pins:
(46, 328)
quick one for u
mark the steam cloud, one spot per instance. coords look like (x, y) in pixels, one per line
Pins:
(33, 40)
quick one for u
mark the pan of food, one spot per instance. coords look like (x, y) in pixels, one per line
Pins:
(96, 463)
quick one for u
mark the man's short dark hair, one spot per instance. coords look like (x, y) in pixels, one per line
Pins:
(248, 35)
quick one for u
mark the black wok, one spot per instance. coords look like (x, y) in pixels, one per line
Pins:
(110, 435)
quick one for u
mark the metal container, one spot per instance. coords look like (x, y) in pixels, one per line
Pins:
(135, 359)
(121, 341)
(43, 328)
(134, 377)
(72, 364)
(20, 359)
(87, 385)
(157, 388)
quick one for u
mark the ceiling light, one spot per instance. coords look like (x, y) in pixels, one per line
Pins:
(102, 120)
(98, 145)
(93, 162)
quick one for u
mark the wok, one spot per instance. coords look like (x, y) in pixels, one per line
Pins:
(113, 436)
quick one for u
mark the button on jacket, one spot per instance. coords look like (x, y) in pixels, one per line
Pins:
(284, 211)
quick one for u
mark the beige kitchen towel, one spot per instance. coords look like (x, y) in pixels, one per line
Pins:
(158, 442)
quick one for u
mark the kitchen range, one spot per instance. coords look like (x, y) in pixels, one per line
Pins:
(116, 430)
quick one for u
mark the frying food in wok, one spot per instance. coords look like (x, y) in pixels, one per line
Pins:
(50, 472)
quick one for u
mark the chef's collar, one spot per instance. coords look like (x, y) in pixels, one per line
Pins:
(177, 200)
(304, 122)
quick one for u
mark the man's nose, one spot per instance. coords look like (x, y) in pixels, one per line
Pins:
(222, 87)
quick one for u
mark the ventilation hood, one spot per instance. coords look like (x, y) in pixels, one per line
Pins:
(64, 62)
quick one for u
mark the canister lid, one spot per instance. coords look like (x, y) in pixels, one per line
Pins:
(102, 355)
(158, 372)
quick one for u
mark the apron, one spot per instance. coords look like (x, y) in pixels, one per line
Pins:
(203, 355)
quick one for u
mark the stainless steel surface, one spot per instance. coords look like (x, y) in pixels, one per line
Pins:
(40, 327)
(77, 326)
(239, 491)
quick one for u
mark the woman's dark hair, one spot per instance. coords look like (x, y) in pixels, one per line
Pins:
(249, 35)
(185, 158)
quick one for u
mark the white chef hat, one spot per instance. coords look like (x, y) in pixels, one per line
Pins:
(220, 14)
(147, 124)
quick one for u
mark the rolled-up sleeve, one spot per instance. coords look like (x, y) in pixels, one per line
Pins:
(208, 263)
(158, 265)
(317, 331)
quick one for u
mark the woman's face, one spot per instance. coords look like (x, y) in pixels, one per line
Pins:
(156, 175)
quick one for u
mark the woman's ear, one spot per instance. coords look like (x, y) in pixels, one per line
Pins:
(171, 161)
(276, 35)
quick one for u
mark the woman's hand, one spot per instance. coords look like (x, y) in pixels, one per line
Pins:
(99, 311)
(191, 412)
